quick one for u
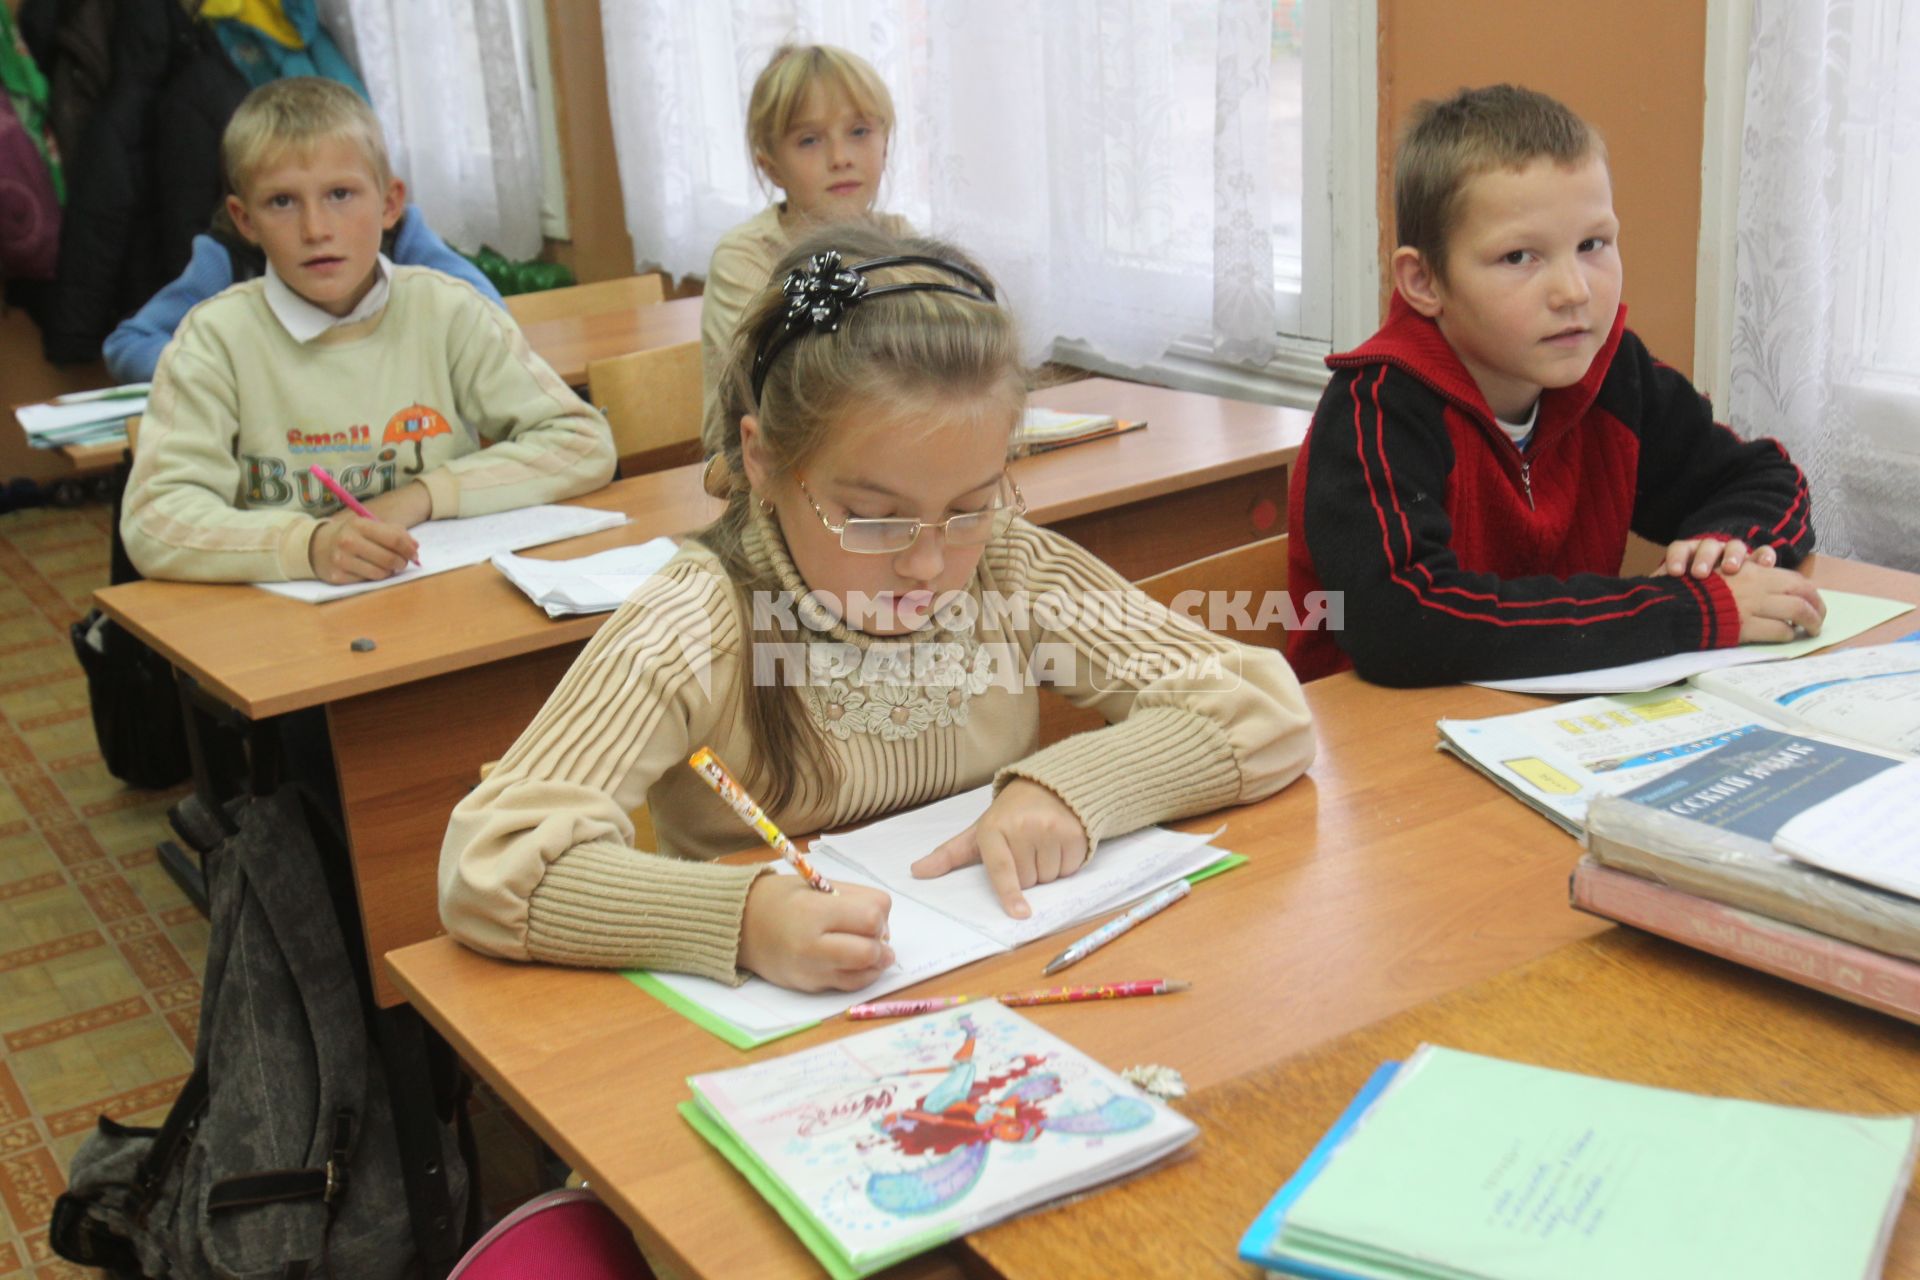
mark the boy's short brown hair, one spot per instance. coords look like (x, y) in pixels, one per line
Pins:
(1451, 140)
(782, 86)
(295, 114)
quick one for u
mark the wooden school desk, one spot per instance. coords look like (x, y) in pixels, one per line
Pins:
(1389, 875)
(1623, 1005)
(462, 660)
(570, 343)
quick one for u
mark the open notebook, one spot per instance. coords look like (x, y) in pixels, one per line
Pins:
(455, 544)
(937, 925)
(883, 1145)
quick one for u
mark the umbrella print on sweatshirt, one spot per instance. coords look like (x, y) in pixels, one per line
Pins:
(414, 424)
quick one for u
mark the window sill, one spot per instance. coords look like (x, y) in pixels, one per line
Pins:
(1295, 376)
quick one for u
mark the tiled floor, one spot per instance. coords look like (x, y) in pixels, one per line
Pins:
(100, 954)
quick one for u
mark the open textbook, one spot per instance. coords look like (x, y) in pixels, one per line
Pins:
(1558, 758)
(882, 1145)
(457, 543)
(940, 924)
(1460, 1167)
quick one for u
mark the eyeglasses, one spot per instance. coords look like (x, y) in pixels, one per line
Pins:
(892, 535)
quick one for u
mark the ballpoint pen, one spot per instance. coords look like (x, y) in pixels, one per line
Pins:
(1118, 925)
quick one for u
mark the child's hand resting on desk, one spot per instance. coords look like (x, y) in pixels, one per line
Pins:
(795, 936)
(350, 548)
(1701, 556)
(1027, 836)
(1775, 604)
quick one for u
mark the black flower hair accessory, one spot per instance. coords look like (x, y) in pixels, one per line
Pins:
(820, 294)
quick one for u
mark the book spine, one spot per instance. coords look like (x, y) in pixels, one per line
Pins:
(1871, 978)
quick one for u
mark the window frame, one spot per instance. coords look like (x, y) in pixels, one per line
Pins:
(1340, 227)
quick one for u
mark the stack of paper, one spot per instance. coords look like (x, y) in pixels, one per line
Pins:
(880, 1146)
(84, 417)
(454, 544)
(941, 924)
(587, 584)
(1472, 1168)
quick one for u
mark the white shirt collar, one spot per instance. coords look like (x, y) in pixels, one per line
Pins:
(305, 322)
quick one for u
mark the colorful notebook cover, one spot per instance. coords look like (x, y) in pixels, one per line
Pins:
(881, 1145)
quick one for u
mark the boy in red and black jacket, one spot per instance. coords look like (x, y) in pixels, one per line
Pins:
(1474, 468)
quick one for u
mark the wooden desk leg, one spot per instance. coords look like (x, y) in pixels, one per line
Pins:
(1144, 538)
(405, 757)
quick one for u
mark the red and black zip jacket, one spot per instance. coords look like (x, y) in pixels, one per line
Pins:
(1460, 556)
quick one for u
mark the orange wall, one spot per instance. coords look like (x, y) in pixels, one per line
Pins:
(1634, 68)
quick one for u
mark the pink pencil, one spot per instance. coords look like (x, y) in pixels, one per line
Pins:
(347, 500)
(1015, 999)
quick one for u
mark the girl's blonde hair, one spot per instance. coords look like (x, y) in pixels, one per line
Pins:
(892, 355)
(293, 115)
(782, 86)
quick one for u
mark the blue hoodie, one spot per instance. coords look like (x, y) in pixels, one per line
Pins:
(133, 349)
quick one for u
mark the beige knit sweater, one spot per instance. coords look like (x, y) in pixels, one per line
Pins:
(222, 488)
(538, 861)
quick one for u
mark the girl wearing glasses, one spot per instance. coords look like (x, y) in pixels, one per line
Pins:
(864, 629)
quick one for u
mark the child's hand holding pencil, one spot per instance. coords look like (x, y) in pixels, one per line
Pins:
(803, 932)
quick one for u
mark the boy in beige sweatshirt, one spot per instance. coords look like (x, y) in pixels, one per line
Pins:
(391, 378)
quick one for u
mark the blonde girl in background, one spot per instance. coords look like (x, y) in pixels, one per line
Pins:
(849, 636)
(818, 124)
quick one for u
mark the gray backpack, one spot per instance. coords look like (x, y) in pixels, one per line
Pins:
(281, 1159)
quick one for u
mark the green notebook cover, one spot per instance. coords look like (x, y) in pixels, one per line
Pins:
(1472, 1168)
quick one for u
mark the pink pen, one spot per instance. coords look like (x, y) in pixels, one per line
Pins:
(347, 500)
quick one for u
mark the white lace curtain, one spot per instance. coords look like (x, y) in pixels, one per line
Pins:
(1826, 344)
(1108, 160)
(449, 81)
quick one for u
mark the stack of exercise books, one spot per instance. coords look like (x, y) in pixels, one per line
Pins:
(82, 417)
(1044, 429)
(880, 1146)
(1767, 814)
(1472, 1168)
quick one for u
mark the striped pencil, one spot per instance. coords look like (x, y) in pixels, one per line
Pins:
(1016, 999)
(708, 766)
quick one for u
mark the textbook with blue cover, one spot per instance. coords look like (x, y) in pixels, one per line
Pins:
(1464, 1167)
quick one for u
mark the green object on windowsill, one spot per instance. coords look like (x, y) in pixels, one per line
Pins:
(520, 277)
